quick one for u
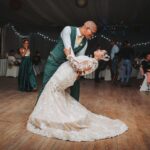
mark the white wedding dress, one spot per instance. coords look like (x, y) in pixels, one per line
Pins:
(59, 115)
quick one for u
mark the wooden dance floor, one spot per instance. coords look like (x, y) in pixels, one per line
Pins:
(126, 104)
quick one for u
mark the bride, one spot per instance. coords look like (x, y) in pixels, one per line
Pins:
(59, 115)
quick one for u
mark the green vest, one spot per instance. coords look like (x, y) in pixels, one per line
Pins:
(58, 50)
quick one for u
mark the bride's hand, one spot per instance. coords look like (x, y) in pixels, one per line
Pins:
(79, 73)
(85, 63)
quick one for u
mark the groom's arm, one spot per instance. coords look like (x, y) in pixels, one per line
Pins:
(65, 35)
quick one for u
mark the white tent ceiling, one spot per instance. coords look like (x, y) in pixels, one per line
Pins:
(46, 13)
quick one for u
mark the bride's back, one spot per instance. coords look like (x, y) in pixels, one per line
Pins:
(64, 77)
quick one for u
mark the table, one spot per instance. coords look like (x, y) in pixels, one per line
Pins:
(3, 67)
(106, 74)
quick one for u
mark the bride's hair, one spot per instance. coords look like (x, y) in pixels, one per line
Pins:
(24, 40)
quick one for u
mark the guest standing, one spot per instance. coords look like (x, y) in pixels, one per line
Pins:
(26, 78)
(126, 56)
(114, 60)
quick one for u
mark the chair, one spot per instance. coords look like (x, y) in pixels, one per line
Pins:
(107, 76)
(36, 69)
(12, 70)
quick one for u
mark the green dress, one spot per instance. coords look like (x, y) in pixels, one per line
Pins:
(57, 57)
(26, 78)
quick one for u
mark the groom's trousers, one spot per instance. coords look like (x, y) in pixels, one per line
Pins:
(50, 68)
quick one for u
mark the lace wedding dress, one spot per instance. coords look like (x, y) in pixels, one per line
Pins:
(59, 115)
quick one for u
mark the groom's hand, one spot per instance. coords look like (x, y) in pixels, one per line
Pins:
(67, 51)
(79, 74)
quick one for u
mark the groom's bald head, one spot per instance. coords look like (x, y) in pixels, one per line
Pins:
(91, 25)
(88, 29)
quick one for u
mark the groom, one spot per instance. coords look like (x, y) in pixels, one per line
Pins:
(74, 39)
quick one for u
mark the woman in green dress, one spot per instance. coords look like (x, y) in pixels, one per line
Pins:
(26, 78)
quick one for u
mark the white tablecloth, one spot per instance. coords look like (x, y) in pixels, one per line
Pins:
(106, 74)
(3, 67)
(12, 72)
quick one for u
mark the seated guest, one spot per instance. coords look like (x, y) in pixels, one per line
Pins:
(145, 67)
(11, 58)
(37, 58)
(12, 69)
(37, 63)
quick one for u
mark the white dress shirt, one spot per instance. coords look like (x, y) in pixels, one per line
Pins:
(65, 35)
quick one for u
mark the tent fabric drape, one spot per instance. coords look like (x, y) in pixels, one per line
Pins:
(60, 13)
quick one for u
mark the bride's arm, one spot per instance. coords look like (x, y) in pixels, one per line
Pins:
(80, 67)
(83, 66)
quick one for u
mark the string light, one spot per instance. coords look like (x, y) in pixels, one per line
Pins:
(16, 32)
(45, 37)
(133, 45)
(25, 36)
(53, 40)
(141, 44)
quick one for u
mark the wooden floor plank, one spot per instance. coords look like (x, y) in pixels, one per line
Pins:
(126, 104)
